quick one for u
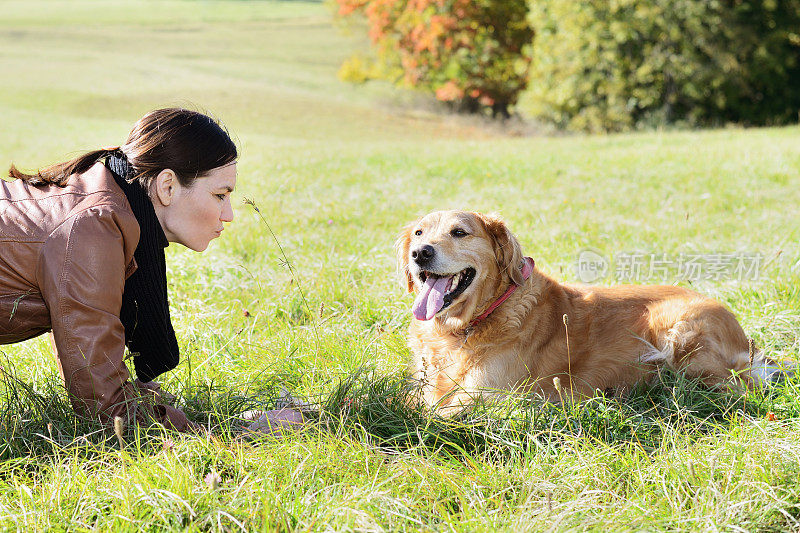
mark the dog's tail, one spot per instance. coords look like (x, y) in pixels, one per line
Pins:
(765, 371)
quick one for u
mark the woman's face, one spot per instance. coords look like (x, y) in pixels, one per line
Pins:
(193, 216)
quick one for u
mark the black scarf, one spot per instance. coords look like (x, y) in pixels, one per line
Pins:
(145, 306)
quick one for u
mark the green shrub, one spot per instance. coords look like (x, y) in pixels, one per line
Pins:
(471, 53)
(605, 65)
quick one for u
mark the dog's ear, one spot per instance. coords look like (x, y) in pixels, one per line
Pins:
(507, 249)
(401, 248)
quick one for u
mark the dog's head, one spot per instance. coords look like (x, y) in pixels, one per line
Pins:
(457, 261)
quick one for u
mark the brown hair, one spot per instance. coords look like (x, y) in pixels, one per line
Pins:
(187, 142)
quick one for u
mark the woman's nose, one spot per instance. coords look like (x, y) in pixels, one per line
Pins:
(227, 212)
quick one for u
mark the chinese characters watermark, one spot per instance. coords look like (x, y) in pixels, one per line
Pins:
(591, 265)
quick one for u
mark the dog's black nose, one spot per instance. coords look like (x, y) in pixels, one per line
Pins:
(422, 255)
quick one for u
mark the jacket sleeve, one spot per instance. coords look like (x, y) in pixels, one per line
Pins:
(81, 275)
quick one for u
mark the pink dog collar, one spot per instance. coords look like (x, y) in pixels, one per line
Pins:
(527, 270)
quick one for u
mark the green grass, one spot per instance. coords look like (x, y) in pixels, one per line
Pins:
(337, 171)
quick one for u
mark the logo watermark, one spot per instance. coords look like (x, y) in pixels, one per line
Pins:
(591, 265)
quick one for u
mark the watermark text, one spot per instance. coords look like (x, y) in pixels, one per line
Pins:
(592, 265)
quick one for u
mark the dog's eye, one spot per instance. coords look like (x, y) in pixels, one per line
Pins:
(418, 232)
(458, 232)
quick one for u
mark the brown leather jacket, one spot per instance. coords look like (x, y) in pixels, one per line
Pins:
(65, 253)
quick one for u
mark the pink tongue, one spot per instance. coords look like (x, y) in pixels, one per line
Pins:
(430, 298)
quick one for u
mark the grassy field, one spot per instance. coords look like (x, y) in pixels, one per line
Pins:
(336, 171)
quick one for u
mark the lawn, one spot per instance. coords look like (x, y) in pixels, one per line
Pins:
(336, 171)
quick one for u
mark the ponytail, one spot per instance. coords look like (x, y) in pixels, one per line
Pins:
(189, 143)
(59, 173)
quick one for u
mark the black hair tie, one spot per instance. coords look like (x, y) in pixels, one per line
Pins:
(118, 163)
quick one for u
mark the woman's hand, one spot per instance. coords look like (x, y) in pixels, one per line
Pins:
(153, 388)
(277, 422)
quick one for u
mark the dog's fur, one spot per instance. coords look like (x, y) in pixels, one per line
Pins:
(617, 336)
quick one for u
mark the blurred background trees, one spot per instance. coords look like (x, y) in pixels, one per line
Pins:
(474, 54)
(612, 65)
(592, 65)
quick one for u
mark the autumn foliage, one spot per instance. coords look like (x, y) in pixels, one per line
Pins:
(474, 54)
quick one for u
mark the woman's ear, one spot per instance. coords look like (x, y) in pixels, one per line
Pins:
(507, 250)
(165, 185)
(401, 247)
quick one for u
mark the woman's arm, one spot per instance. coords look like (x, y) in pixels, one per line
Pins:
(81, 274)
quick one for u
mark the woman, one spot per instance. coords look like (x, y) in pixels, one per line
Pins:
(82, 254)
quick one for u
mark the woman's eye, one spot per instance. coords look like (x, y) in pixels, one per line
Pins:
(418, 232)
(220, 196)
(458, 232)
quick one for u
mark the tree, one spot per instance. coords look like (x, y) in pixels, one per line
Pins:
(474, 54)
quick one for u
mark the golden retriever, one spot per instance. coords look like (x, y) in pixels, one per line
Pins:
(487, 320)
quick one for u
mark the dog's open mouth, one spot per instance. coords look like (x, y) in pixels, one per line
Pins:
(439, 291)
